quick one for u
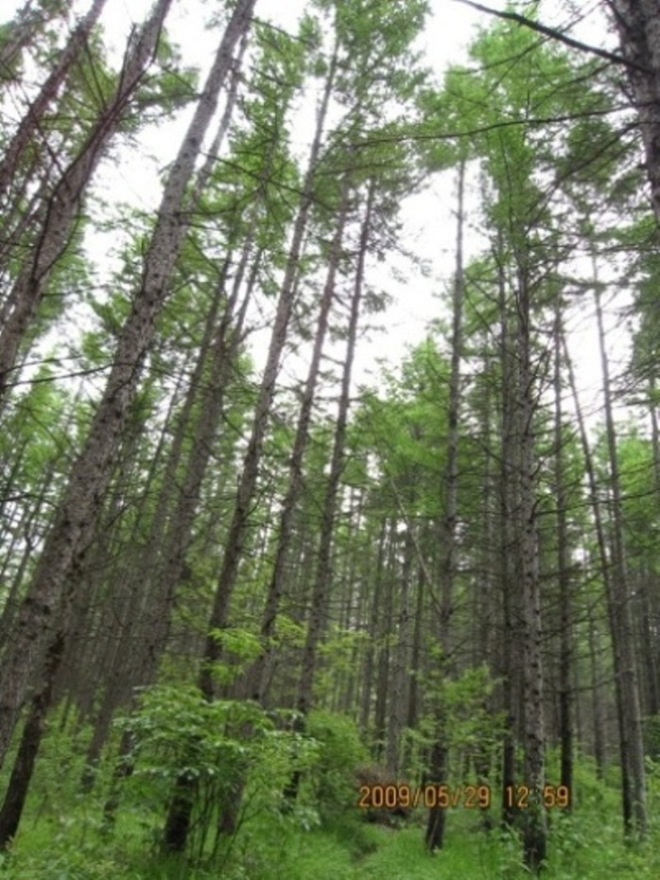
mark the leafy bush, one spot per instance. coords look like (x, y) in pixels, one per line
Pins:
(339, 752)
(238, 757)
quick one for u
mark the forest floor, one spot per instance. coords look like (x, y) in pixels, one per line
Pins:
(65, 842)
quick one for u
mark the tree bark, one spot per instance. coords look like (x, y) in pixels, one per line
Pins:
(375, 591)
(21, 775)
(534, 829)
(317, 618)
(179, 811)
(323, 578)
(565, 601)
(509, 562)
(248, 481)
(638, 25)
(399, 677)
(614, 624)
(438, 765)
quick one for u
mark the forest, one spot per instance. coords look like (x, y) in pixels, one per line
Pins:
(274, 606)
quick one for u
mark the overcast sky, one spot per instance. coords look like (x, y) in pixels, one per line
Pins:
(429, 225)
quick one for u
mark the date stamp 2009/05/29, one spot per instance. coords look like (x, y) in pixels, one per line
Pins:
(400, 795)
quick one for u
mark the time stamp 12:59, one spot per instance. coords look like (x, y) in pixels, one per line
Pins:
(394, 796)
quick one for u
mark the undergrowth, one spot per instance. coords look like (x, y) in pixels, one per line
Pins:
(63, 837)
(67, 842)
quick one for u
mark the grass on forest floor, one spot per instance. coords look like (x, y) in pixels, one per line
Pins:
(61, 838)
(67, 844)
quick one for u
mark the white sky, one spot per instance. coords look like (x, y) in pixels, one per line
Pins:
(429, 226)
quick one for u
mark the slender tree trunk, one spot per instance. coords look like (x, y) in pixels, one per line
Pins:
(509, 563)
(171, 534)
(239, 525)
(19, 781)
(412, 714)
(633, 741)
(25, 535)
(566, 611)
(323, 576)
(376, 582)
(648, 659)
(615, 629)
(121, 666)
(596, 703)
(534, 829)
(399, 677)
(438, 766)
(385, 619)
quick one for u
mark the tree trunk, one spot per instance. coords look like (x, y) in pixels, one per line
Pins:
(385, 617)
(19, 781)
(171, 531)
(534, 829)
(438, 767)
(399, 675)
(376, 582)
(248, 481)
(633, 732)
(509, 562)
(638, 24)
(566, 611)
(596, 703)
(615, 628)
(323, 577)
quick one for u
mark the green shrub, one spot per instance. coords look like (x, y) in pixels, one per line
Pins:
(238, 757)
(339, 752)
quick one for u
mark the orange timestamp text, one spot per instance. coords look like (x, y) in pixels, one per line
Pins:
(395, 796)
(521, 797)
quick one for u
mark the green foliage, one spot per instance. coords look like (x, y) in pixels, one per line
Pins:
(339, 650)
(339, 752)
(177, 731)
(172, 87)
(10, 70)
(652, 738)
(220, 747)
(468, 724)
(241, 646)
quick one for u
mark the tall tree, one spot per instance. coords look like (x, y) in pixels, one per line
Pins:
(181, 805)
(437, 771)
(632, 738)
